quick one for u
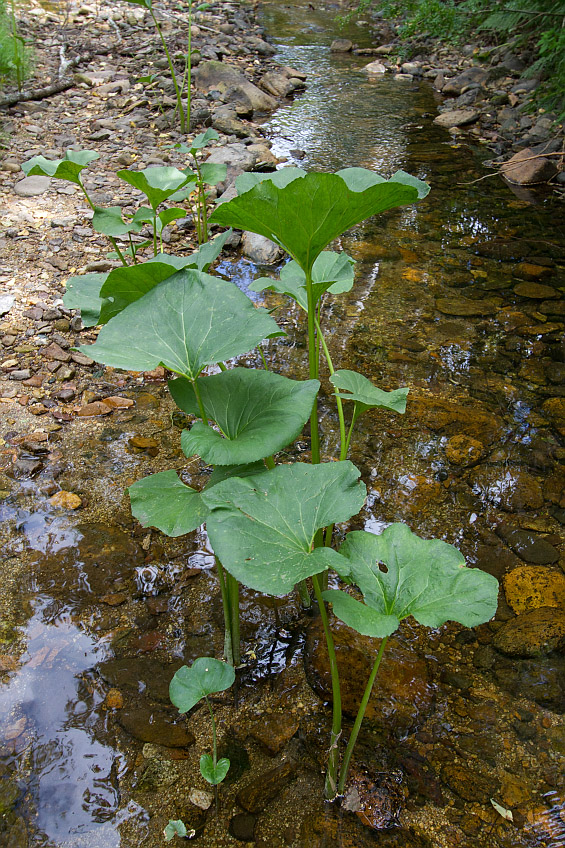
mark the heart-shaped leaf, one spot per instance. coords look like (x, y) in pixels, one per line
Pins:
(423, 578)
(262, 528)
(156, 183)
(214, 774)
(163, 501)
(187, 322)
(68, 168)
(307, 213)
(213, 172)
(356, 387)
(202, 139)
(206, 676)
(110, 222)
(168, 215)
(331, 271)
(258, 413)
(83, 292)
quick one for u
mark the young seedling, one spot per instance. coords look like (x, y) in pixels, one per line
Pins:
(175, 827)
(203, 173)
(206, 676)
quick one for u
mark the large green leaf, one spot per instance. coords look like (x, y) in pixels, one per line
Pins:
(213, 172)
(258, 413)
(187, 322)
(224, 472)
(423, 578)
(156, 183)
(163, 501)
(362, 618)
(331, 271)
(110, 222)
(68, 168)
(262, 528)
(249, 179)
(307, 213)
(210, 250)
(356, 387)
(83, 292)
(206, 676)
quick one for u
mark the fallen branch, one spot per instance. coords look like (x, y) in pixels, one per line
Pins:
(502, 166)
(55, 87)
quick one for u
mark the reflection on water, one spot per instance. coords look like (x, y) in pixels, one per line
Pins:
(49, 717)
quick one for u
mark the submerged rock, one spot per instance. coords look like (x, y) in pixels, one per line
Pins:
(525, 168)
(265, 787)
(530, 587)
(510, 490)
(532, 634)
(401, 699)
(332, 826)
(528, 546)
(155, 725)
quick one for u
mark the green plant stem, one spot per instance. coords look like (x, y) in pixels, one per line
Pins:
(313, 364)
(359, 718)
(228, 641)
(203, 415)
(221, 366)
(214, 748)
(305, 598)
(133, 250)
(154, 233)
(112, 239)
(262, 355)
(233, 596)
(189, 68)
(180, 107)
(269, 462)
(339, 402)
(330, 788)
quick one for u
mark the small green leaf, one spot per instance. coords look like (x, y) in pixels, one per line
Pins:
(147, 80)
(258, 413)
(203, 139)
(360, 617)
(157, 184)
(68, 168)
(210, 250)
(305, 215)
(187, 322)
(214, 774)
(168, 215)
(423, 578)
(366, 396)
(110, 222)
(163, 501)
(262, 527)
(213, 172)
(175, 827)
(83, 292)
(331, 271)
(206, 676)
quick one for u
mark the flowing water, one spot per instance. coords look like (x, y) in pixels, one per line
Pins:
(461, 299)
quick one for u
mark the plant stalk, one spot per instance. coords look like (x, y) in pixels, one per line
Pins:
(112, 239)
(359, 719)
(228, 641)
(233, 598)
(214, 749)
(203, 415)
(330, 788)
(313, 364)
(339, 402)
(180, 107)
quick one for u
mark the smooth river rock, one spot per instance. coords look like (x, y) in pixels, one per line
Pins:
(260, 249)
(532, 634)
(217, 75)
(534, 586)
(32, 186)
(457, 118)
(529, 547)
(510, 489)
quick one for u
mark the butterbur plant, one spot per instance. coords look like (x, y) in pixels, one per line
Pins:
(270, 523)
(206, 676)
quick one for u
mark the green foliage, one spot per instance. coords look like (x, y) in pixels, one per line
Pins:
(175, 827)
(165, 502)
(206, 676)
(16, 55)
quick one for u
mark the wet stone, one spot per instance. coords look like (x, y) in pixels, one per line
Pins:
(274, 731)
(404, 696)
(333, 826)
(257, 795)
(469, 784)
(532, 634)
(554, 408)
(151, 724)
(531, 587)
(9, 795)
(535, 291)
(527, 546)
(140, 674)
(464, 450)
(465, 308)
(158, 774)
(541, 681)
(375, 796)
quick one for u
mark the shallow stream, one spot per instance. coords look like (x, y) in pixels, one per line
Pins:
(462, 300)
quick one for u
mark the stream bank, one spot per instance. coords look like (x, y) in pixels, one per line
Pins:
(461, 300)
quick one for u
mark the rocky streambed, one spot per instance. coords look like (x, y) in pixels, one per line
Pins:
(462, 301)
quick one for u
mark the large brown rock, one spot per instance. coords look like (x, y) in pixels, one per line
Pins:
(457, 118)
(212, 75)
(554, 408)
(403, 694)
(533, 586)
(525, 168)
(532, 634)
(450, 418)
(507, 488)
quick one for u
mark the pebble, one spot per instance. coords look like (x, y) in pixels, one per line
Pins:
(32, 186)
(66, 500)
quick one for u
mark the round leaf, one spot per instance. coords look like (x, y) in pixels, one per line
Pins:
(258, 413)
(156, 183)
(83, 292)
(331, 271)
(206, 676)
(68, 168)
(187, 322)
(360, 617)
(262, 527)
(110, 222)
(423, 578)
(163, 501)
